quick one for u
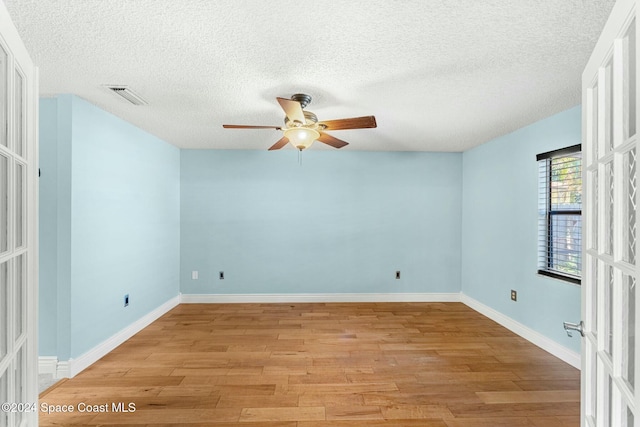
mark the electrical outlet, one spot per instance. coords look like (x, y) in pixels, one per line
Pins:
(194, 275)
(514, 295)
(126, 300)
(222, 275)
(398, 274)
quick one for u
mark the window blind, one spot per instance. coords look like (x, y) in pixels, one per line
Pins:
(560, 213)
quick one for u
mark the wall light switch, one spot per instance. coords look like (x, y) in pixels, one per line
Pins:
(194, 275)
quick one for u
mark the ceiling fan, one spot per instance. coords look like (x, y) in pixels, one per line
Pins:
(301, 128)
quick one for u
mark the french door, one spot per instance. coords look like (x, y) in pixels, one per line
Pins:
(610, 356)
(18, 230)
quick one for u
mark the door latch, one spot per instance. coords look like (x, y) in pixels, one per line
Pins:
(570, 327)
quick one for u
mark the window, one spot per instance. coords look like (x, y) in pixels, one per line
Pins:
(560, 213)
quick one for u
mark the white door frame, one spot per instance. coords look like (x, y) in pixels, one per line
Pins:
(610, 247)
(18, 59)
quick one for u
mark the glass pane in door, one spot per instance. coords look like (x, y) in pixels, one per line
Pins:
(608, 103)
(19, 114)
(630, 80)
(20, 381)
(607, 335)
(4, 204)
(4, 309)
(629, 254)
(608, 204)
(4, 96)
(19, 293)
(4, 397)
(594, 211)
(629, 329)
(19, 204)
(609, 402)
(592, 155)
(605, 398)
(591, 389)
(592, 297)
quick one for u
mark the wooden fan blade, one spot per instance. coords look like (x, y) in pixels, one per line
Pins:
(292, 109)
(281, 143)
(353, 123)
(250, 127)
(332, 141)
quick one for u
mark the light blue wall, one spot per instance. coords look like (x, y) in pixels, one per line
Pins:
(123, 212)
(55, 226)
(48, 206)
(341, 222)
(118, 222)
(499, 228)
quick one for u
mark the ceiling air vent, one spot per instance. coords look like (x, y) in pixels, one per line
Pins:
(126, 93)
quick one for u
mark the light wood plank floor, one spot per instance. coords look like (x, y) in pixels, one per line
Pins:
(316, 365)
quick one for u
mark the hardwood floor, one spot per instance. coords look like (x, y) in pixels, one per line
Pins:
(316, 365)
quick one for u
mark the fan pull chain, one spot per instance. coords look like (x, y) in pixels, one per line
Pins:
(299, 157)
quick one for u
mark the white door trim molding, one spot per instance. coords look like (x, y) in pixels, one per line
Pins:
(20, 151)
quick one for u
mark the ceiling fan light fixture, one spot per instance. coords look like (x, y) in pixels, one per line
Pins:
(301, 128)
(301, 137)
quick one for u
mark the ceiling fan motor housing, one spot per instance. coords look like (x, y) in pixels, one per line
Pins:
(310, 120)
(302, 98)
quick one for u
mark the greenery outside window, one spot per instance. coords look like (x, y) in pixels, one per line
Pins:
(560, 213)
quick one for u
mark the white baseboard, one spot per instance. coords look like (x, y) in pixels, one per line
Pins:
(52, 366)
(48, 365)
(333, 297)
(534, 337)
(63, 370)
(73, 367)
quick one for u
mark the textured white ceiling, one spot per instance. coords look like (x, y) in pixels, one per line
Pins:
(439, 75)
